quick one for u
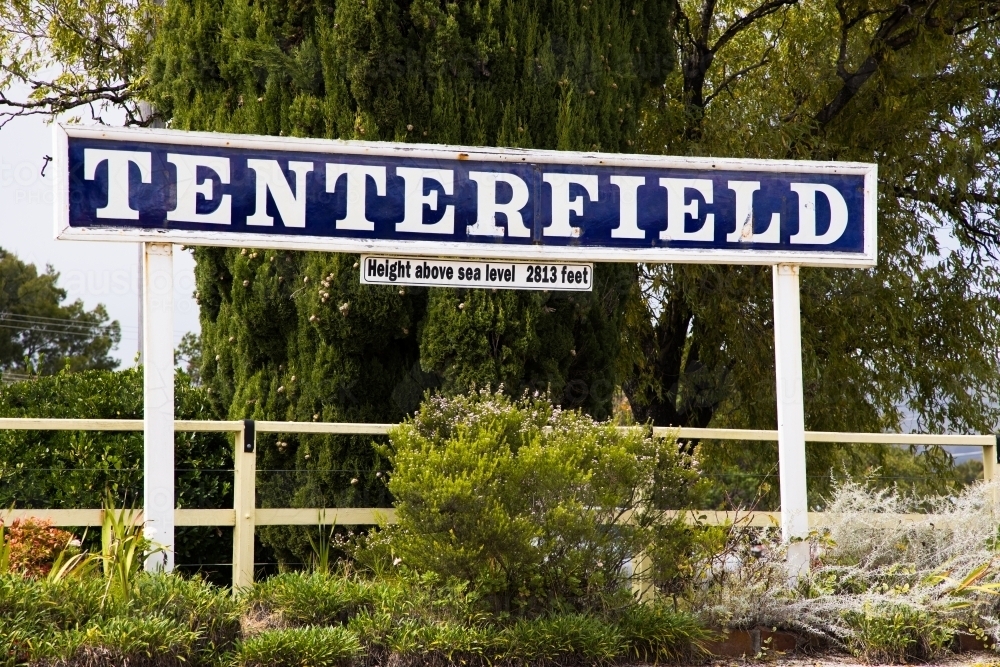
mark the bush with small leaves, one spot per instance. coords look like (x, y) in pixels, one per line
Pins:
(538, 508)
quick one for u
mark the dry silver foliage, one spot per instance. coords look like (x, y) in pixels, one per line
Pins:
(877, 548)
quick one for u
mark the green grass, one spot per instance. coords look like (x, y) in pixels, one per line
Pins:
(655, 633)
(569, 638)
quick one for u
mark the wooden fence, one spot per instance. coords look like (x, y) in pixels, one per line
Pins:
(245, 516)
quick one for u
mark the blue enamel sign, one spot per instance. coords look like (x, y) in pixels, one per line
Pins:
(448, 201)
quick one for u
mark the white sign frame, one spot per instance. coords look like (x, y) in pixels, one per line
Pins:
(539, 253)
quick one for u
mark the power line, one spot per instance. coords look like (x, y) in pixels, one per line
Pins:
(63, 325)
(78, 334)
(40, 318)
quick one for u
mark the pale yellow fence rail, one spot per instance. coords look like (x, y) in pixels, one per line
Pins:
(246, 516)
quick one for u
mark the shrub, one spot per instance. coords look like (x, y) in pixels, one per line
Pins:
(55, 605)
(298, 647)
(417, 640)
(301, 599)
(896, 633)
(33, 546)
(411, 620)
(535, 506)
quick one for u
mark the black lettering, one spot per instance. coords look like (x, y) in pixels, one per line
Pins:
(585, 278)
(372, 267)
(478, 275)
(407, 268)
(381, 270)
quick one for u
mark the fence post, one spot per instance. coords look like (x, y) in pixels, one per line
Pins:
(643, 588)
(244, 504)
(990, 469)
(990, 461)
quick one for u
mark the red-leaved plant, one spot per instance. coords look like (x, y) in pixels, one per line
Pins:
(32, 546)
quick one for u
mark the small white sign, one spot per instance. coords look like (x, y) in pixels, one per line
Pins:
(383, 270)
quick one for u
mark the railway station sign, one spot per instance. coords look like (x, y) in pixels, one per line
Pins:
(416, 200)
(458, 216)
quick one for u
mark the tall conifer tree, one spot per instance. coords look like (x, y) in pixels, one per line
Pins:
(294, 336)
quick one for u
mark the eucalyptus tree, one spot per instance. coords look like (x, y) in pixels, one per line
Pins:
(78, 56)
(909, 86)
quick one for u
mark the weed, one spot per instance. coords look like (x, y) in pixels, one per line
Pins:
(320, 559)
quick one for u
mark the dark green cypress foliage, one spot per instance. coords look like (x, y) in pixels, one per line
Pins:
(556, 74)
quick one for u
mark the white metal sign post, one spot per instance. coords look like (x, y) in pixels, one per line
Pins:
(158, 400)
(460, 216)
(791, 418)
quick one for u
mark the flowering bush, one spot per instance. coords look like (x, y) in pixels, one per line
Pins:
(33, 546)
(535, 506)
